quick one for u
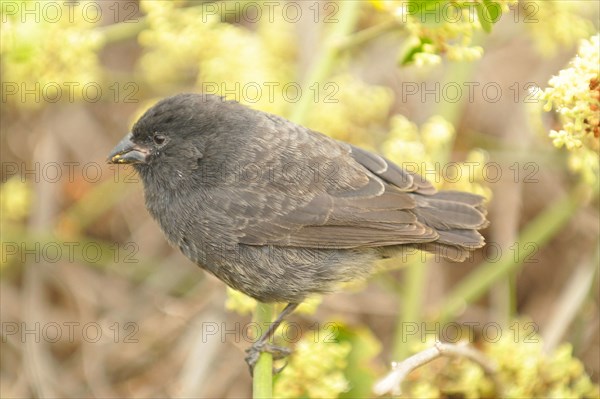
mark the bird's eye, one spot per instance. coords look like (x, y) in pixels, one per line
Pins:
(159, 138)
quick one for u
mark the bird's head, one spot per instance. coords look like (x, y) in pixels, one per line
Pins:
(173, 137)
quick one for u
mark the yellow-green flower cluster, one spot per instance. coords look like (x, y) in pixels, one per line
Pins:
(405, 143)
(49, 48)
(351, 110)
(526, 371)
(173, 42)
(15, 199)
(316, 369)
(523, 371)
(555, 25)
(452, 39)
(255, 66)
(426, 151)
(575, 95)
(439, 28)
(195, 46)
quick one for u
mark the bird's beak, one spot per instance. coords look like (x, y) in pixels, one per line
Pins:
(128, 152)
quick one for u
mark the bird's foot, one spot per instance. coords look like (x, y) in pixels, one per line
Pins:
(278, 352)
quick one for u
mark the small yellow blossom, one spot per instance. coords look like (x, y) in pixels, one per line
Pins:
(523, 370)
(575, 95)
(15, 199)
(316, 369)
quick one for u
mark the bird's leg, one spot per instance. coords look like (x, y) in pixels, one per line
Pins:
(262, 344)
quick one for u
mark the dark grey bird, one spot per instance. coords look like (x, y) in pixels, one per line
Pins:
(279, 211)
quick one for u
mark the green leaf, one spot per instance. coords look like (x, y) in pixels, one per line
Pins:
(489, 13)
(427, 12)
(361, 359)
(494, 10)
(408, 55)
(485, 18)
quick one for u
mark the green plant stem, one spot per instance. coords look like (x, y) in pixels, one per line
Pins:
(366, 35)
(262, 383)
(326, 57)
(411, 303)
(458, 72)
(536, 234)
(567, 307)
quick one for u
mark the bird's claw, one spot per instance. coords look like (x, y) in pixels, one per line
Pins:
(278, 352)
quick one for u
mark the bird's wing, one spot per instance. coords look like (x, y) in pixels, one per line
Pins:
(366, 203)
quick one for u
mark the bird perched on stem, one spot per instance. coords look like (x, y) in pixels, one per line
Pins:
(279, 211)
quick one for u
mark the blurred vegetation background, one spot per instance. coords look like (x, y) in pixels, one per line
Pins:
(499, 98)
